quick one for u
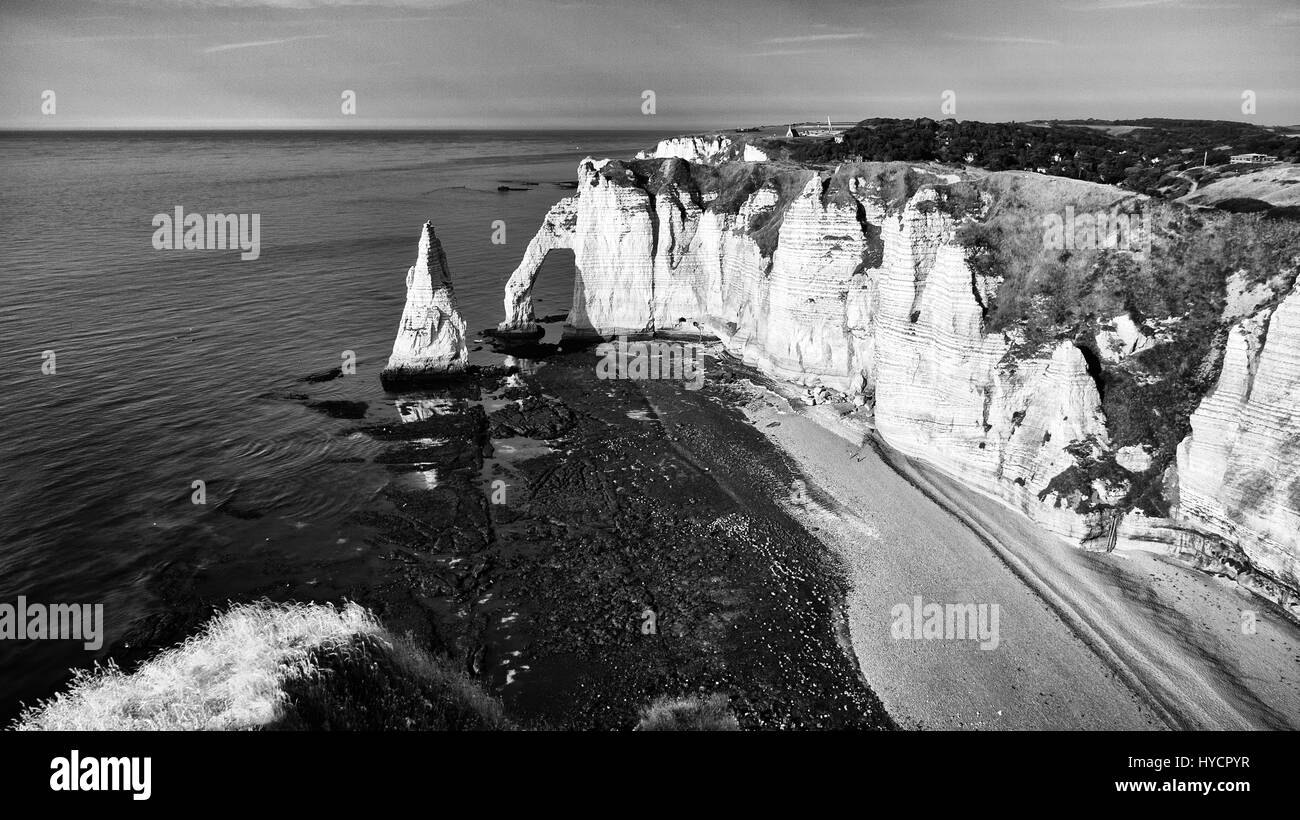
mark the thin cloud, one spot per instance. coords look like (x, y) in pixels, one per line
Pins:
(413, 18)
(786, 52)
(301, 4)
(259, 43)
(1182, 5)
(975, 38)
(106, 38)
(1112, 5)
(817, 38)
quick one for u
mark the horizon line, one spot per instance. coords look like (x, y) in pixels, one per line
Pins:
(681, 129)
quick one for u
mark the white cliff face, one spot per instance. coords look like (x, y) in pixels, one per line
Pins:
(836, 290)
(802, 336)
(735, 299)
(677, 278)
(944, 390)
(623, 243)
(431, 336)
(1239, 470)
(705, 150)
(613, 247)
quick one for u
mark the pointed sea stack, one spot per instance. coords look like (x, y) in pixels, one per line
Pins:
(430, 343)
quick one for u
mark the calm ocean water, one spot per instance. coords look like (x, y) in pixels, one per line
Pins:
(174, 366)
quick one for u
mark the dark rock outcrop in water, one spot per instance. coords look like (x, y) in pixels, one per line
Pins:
(533, 416)
(339, 409)
(324, 376)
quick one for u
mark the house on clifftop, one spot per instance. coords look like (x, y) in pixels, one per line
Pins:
(1251, 159)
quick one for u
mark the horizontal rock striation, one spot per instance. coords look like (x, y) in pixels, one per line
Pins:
(857, 280)
(430, 339)
(1239, 470)
(557, 231)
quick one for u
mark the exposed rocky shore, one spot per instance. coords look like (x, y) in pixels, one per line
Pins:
(583, 552)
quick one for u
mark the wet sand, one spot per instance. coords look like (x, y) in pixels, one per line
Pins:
(1088, 641)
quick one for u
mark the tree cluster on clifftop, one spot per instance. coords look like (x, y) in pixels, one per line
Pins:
(1159, 157)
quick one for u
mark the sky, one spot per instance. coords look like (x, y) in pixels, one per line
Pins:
(583, 64)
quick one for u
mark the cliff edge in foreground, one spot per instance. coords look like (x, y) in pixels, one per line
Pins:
(276, 666)
(1120, 369)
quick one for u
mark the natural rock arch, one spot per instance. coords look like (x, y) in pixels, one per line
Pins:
(558, 231)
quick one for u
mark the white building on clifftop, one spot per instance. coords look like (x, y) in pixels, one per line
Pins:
(1251, 159)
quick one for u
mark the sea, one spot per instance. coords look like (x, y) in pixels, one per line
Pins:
(135, 381)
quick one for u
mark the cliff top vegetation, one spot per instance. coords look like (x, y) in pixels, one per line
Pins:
(1174, 289)
(276, 666)
(1158, 157)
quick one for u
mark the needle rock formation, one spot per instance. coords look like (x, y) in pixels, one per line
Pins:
(430, 341)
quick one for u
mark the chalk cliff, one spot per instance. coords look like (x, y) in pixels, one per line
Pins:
(707, 150)
(1239, 470)
(431, 336)
(865, 279)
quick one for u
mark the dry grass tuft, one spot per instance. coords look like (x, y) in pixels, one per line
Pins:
(688, 714)
(260, 665)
